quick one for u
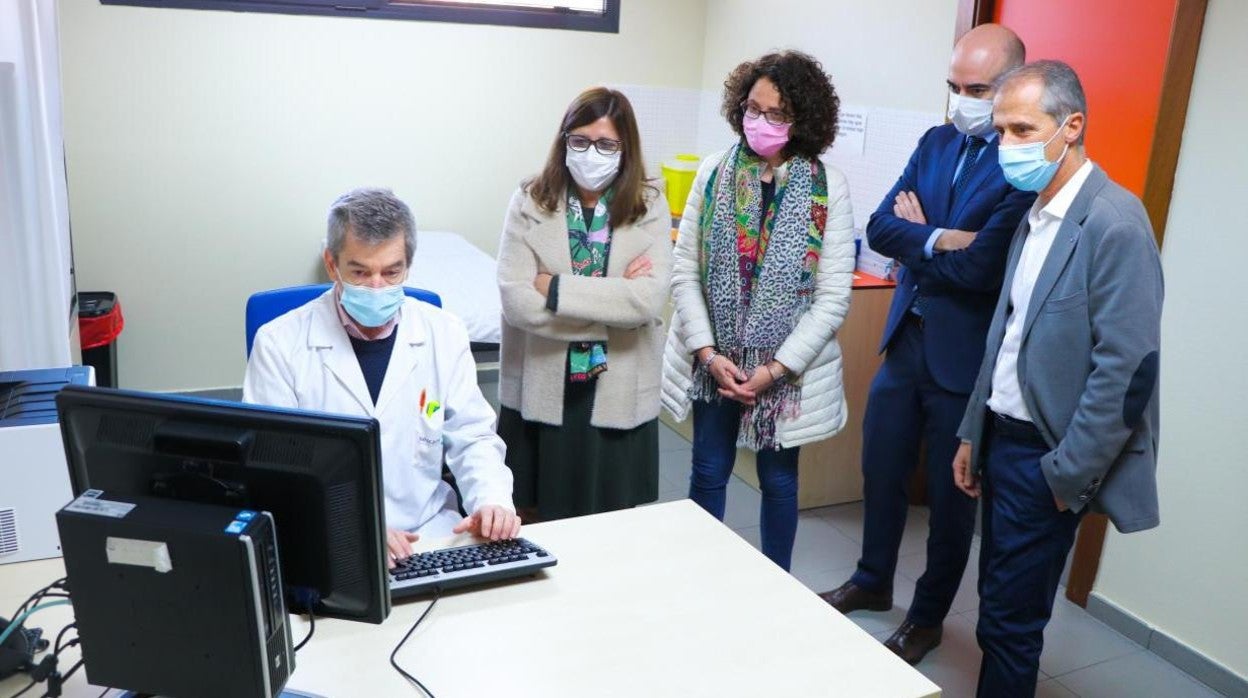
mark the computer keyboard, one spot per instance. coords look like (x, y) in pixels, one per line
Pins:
(467, 565)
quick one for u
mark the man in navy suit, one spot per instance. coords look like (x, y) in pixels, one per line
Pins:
(948, 221)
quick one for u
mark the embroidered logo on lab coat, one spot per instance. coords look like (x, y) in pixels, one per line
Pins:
(428, 407)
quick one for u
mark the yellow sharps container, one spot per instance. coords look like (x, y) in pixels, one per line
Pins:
(679, 174)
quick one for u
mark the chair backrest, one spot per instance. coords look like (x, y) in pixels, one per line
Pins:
(267, 305)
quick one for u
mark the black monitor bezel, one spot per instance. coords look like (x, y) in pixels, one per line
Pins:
(75, 401)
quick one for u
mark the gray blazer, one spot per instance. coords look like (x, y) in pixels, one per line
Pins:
(1088, 364)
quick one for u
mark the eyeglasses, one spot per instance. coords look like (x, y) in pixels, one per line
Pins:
(775, 118)
(606, 146)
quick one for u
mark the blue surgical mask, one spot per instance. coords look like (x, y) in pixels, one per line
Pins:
(1024, 165)
(371, 307)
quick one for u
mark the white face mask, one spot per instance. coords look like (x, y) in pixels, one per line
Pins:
(592, 170)
(970, 115)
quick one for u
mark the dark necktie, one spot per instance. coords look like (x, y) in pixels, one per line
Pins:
(974, 145)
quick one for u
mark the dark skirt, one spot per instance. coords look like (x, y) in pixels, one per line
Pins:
(575, 468)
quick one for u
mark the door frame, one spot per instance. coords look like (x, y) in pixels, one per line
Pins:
(1163, 159)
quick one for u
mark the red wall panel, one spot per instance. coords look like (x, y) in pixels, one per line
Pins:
(1119, 49)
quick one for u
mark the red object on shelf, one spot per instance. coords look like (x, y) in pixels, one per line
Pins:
(865, 280)
(100, 325)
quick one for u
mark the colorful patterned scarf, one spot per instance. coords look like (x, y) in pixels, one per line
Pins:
(758, 274)
(590, 244)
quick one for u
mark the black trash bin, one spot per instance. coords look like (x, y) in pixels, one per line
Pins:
(99, 324)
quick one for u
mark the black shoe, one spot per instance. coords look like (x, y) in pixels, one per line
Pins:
(912, 642)
(850, 597)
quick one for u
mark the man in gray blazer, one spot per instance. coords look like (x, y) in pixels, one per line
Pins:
(1064, 415)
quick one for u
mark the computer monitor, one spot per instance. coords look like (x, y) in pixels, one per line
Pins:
(318, 474)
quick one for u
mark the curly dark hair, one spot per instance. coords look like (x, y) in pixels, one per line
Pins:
(806, 92)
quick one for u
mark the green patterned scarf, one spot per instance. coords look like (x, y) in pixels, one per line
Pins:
(758, 274)
(590, 244)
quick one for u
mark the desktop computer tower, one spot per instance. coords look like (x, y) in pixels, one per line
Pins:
(176, 598)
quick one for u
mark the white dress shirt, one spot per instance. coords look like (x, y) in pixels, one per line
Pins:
(1007, 396)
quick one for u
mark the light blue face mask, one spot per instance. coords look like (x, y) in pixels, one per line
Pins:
(1025, 166)
(371, 307)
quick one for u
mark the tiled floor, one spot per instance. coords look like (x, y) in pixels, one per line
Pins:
(1082, 656)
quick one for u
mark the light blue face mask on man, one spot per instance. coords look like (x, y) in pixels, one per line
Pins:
(1025, 166)
(371, 307)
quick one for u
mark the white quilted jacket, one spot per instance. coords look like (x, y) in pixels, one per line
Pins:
(811, 351)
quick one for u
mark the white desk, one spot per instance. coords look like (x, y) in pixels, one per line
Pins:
(655, 601)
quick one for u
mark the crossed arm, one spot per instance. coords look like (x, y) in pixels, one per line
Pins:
(962, 260)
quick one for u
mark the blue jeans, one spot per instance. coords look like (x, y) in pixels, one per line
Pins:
(1024, 547)
(715, 426)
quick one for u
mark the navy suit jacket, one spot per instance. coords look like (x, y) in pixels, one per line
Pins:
(959, 288)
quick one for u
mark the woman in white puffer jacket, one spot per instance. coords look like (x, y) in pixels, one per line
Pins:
(763, 267)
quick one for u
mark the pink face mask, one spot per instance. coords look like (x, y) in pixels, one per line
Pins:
(764, 138)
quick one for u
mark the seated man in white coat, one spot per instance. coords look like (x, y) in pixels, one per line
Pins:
(364, 348)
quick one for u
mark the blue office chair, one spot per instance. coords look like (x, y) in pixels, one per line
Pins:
(267, 305)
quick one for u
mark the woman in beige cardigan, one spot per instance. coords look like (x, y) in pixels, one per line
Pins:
(583, 270)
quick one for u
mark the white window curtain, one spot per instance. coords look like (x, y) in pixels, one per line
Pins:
(38, 325)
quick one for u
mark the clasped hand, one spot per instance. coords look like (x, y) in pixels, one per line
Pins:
(734, 383)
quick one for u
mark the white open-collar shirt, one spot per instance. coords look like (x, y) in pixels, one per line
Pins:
(1043, 223)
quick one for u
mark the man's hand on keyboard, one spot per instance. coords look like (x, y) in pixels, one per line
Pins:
(491, 521)
(399, 545)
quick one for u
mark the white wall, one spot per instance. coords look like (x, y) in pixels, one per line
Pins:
(1188, 577)
(205, 147)
(897, 88)
(857, 42)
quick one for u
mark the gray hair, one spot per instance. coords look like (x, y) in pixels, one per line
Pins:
(372, 215)
(1062, 92)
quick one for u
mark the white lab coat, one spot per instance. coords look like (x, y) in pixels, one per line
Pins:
(304, 359)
